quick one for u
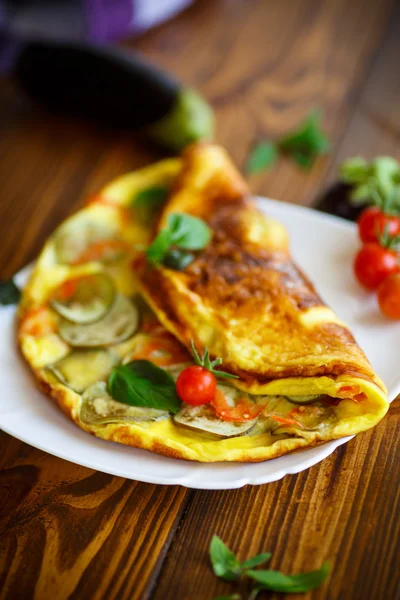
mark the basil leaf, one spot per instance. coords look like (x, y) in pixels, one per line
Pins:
(224, 562)
(159, 247)
(230, 597)
(142, 383)
(278, 582)
(376, 182)
(183, 231)
(261, 157)
(148, 201)
(354, 170)
(256, 560)
(189, 233)
(178, 259)
(9, 293)
(307, 142)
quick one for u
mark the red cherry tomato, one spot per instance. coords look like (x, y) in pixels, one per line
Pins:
(195, 385)
(373, 222)
(373, 264)
(389, 297)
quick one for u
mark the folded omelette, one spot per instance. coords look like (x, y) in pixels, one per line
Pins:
(242, 298)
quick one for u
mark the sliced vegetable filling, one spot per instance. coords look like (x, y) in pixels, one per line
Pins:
(119, 324)
(84, 299)
(99, 408)
(82, 368)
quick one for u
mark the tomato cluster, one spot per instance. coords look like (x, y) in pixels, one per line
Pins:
(376, 265)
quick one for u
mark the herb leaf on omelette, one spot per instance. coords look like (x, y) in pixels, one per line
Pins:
(183, 232)
(142, 383)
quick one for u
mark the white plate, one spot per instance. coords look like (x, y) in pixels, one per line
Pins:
(324, 246)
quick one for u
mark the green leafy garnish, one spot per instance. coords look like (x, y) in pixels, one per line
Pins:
(226, 566)
(147, 202)
(224, 563)
(205, 362)
(307, 142)
(142, 383)
(303, 145)
(183, 232)
(278, 582)
(177, 259)
(9, 293)
(376, 182)
(261, 157)
(391, 242)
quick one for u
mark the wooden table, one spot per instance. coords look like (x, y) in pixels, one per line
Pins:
(69, 532)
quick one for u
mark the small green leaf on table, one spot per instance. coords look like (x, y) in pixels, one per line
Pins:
(9, 293)
(261, 157)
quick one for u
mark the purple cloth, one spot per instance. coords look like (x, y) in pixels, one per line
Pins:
(108, 19)
(93, 20)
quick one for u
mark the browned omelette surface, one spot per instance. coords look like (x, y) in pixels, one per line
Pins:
(244, 297)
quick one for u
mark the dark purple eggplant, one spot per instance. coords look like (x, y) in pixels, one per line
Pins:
(336, 201)
(113, 87)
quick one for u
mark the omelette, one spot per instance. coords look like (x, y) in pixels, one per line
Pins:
(97, 306)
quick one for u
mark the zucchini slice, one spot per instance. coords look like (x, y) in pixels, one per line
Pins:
(303, 399)
(99, 408)
(82, 368)
(118, 325)
(73, 240)
(84, 299)
(204, 419)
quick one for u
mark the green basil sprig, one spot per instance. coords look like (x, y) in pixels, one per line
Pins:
(142, 383)
(9, 293)
(183, 232)
(226, 565)
(148, 202)
(376, 182)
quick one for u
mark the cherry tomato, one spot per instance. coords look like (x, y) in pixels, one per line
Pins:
(373, 264)
(195, 385)
(373, 221)
(389, 297)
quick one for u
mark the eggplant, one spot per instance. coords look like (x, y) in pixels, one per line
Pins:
(119, 324)
(336, 201)
(82, 368)
(99, 408)
(89, 300)
(113, 87)
(205, 420)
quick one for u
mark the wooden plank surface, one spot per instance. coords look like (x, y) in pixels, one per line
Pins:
(69, 532)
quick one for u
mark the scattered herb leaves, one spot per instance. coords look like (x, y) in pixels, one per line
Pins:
(9, 293)
(303, 145)
(307, 142)
(278, 582)
(142, 383)
(148, 201)
(205, 362)
(224, 563)
(183, 232)
(262, 156)
(256, 561)
(226, 566)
